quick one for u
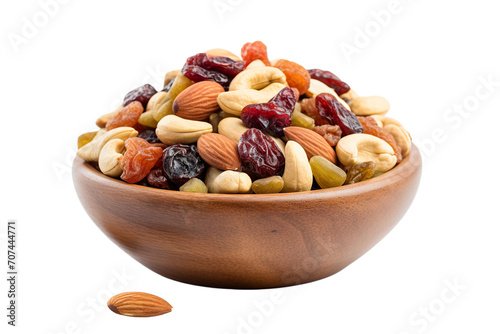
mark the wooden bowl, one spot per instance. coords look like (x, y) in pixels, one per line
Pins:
(248, 241)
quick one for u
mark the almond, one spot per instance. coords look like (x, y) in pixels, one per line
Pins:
(199, 101)
(138, 304)
(219, 151)
(311, 142)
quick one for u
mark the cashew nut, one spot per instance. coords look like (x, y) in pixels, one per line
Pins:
(91, 151)
(227, 182)
(298, 173)
(110, 157)
(222, 53)
(396, 129)
(370, 105)
(233, 102)
(359, 147)
(317, 87)
(155, 99)
(256, 63)
(349, 96)
(257, 78)
(233, 128)
(175, 130)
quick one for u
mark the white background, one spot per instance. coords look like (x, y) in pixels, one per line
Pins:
(427, 58)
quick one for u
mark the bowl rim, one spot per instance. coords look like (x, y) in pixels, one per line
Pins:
(409, 165)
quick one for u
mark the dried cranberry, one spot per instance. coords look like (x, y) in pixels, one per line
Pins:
(197, 73)
(141, 94)
(222, 70)
(334, 112)
(157, 179)
(150, 136)
(181, 163)
(260, 154)
(331, 80)
(273, 116)
(222, 65)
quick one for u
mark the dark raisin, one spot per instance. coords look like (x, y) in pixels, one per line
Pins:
(271, 117)
(222, 70)
(336, 114)
(150, 136)
(141, 94)
(181, 163)
(331, 80)
(260, 154)
(157, 179)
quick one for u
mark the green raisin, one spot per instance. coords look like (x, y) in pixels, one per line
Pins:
(300, 119)
(194, 185)
(326, 173)
(268, 185)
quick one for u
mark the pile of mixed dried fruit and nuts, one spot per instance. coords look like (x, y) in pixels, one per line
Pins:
(221, 123)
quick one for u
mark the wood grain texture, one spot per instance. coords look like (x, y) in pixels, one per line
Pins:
(248, 241)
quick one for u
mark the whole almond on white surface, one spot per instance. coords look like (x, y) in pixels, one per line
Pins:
(199, 101)
(138, 304)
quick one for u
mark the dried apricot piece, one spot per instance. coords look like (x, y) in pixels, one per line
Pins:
(371, 127)
(128, 116)
(138, 160)
(296, 75)
(254, 51)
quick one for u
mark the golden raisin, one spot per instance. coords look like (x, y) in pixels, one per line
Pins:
(309, 108)
(332, 133)
(371, 127)
(139, 158)
(360, 172)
